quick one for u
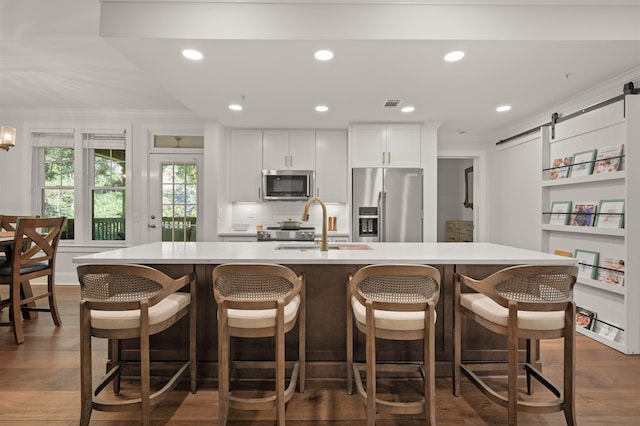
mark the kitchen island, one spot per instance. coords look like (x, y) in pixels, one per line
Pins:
(326, 277)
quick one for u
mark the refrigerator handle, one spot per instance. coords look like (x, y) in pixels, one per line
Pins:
(382, 217)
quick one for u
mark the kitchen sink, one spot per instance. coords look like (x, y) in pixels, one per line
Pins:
(340, 246)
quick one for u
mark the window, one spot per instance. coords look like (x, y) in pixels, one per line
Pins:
(57, 182)
(97, 201)
(107, 169)
(179, 201)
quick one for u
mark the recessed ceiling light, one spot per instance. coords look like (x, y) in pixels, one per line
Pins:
(454, 56)
(235, 107)
(408, 109)
(503, 108)
(192, 54)
(322, 108)
(324, 55)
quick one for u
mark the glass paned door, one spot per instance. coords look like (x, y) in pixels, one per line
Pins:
(174, 189)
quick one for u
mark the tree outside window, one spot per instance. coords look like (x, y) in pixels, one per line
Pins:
(59, 183)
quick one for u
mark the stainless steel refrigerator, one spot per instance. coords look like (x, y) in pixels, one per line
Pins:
(387, 205)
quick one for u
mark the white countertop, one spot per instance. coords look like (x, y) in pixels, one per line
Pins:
(247, 252)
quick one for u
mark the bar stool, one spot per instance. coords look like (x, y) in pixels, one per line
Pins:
(259, 300)
(520, 302)
(395, 302)
(126, 302)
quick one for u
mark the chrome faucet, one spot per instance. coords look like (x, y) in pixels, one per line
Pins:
(324, 246)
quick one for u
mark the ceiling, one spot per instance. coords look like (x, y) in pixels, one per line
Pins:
(531, 55)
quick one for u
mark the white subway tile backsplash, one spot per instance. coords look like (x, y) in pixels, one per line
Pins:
(270, 213)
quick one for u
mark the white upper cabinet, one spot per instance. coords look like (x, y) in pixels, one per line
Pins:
(288, 149)
(245, 160)
(331, 165)
(386, 145)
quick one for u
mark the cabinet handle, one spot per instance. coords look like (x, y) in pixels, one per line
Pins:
(259, 193)
(286, 160)
(388, 157)
(291, 161)
(383, 157)
(318, 192)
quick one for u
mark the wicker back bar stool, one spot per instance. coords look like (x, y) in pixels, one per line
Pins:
(131, 302)
(395, 302)
(520, 302)
(259, 300)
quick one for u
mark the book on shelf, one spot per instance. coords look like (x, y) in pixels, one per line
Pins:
(560, 212)
(582, 164)
(562, 253)
(583, 214)
(560, 168)
(585, 318)
(587, 263)
(611, 271)
(610, 214)
(606, 330)
(608, 159)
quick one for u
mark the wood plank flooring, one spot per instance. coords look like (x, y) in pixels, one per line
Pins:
(39, 384)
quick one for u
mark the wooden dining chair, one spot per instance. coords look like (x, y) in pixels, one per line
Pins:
(259, 300)
(8, 223)
(131, 302)
(33, 255)
(520, 302)
(393, 302)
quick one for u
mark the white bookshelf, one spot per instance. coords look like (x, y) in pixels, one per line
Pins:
(616, 305)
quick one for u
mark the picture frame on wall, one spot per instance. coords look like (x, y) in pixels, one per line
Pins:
(587, 263)
(582, 164)
(610, 214)
(560, 213)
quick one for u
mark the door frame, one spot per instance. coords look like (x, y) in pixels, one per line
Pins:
(479, 187)
(155, 160)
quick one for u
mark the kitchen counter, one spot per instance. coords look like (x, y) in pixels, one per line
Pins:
(326, 279)
(225, 252)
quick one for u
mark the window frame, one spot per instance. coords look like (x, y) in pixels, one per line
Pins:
(83, 183)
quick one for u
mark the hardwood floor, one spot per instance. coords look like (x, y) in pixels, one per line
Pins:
(39, 382)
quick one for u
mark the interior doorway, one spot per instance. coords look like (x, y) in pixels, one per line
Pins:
(455, 200)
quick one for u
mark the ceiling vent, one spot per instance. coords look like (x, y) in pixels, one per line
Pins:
(392, 103)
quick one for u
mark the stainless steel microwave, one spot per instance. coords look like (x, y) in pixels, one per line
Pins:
(287, 184)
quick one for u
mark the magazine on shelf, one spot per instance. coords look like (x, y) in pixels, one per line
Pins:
(610, 214)
(582, 163)
(611, 271)
(560, 168)
(583, 214)
(585, 318)
(587, 263)
(608, 159)
(560, 212)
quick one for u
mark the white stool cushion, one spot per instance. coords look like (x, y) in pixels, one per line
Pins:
(486, 308)
(389, 320)
(115, 320)
(262, 318)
